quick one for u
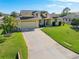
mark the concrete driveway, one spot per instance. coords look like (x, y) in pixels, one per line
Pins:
(41, 46)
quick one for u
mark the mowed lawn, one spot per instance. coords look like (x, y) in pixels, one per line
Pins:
(11, 46)
(64, 35)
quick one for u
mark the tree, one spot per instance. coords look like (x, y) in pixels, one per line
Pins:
(1, 14)
(9, 24)
(65, 11)
(14, 14)
(75, 21)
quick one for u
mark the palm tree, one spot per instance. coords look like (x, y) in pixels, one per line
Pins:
(9, 24)
(1, 14)
(65, 11)
(14, 14)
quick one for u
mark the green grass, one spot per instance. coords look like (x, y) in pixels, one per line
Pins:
(11, 46)
(64, 35)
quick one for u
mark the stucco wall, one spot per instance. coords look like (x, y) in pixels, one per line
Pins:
(68, 21)
(28, 24)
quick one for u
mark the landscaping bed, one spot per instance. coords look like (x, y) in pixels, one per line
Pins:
(64, 35)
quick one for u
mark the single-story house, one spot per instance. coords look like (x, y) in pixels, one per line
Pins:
(68, 19)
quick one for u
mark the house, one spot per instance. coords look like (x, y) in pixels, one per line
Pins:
(27, 20)
(65, 19)
(68, 19)
(33, 19)
(56, 19)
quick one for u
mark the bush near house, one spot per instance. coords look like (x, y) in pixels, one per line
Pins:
(64, 35)
(9, 24)
(0, 26)
(75, 21)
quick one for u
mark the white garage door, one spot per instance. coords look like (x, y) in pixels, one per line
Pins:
(30, 24)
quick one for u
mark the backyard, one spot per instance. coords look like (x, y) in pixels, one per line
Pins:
(64, 35)
(11, 45)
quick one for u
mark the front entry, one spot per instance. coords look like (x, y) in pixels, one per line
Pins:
(42, 23)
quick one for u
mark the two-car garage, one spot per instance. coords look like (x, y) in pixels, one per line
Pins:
(23, 24)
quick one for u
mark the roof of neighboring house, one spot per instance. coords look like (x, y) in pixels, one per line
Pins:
(71, 16)
(53, 15)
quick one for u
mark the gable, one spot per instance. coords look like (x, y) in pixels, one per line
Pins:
(26, 13)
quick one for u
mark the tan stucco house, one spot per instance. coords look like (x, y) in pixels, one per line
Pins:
(33, 19)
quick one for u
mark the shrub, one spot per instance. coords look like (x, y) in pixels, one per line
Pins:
(9, 24)
(75, 21)
(0, 26)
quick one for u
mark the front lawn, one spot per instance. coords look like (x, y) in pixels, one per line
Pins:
(11, 46)
(64, 35)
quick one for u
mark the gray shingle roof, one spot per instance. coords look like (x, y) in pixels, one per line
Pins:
(30, 14)
(26, 13)
(71, 16)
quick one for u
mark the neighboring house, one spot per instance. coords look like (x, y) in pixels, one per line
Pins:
(68, 19)
(65, 19)
(33, 19)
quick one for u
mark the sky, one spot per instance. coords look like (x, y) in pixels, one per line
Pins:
(52, 6)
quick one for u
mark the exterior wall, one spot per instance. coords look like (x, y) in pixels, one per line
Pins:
(22, 24)
(49, 22)
(45, 22)
(52, 21)
(68, 21)
(56, 22)
(28, 24)
(41, 22)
